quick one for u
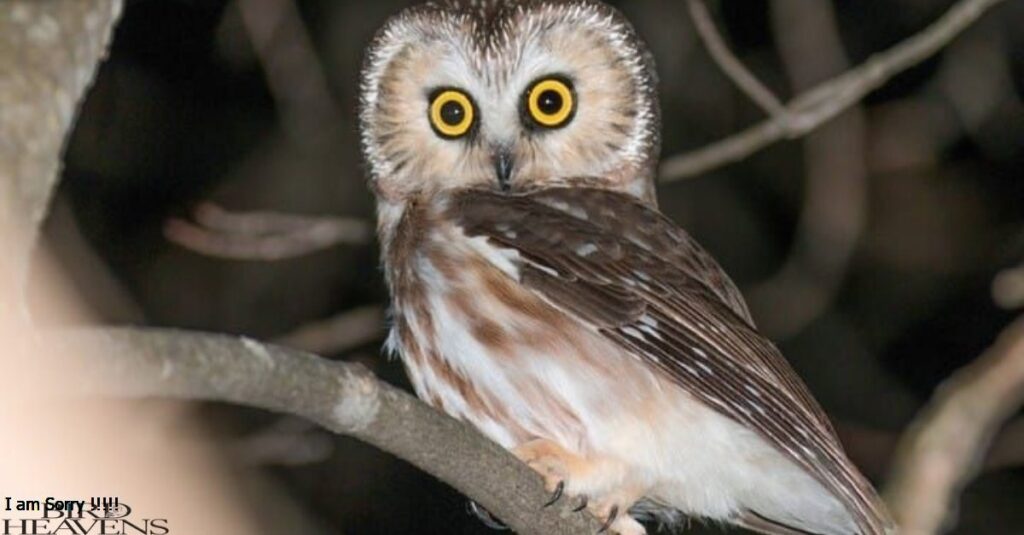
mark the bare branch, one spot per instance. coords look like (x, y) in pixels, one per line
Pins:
(816, 106)
(262, 235)
(48, 54)
(827, 233)
(872, 449)
(945, 446)
(287, 441)
(214, 217)
(293, 72)
(1007, 449)
(338, 334)
(343, 398)
(1008, 288)
(730, 64)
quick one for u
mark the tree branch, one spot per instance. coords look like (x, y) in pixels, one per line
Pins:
(343, 398)
(1008, 288)
(807, 35)
(48, 54)
(339, 333)
(729, 63)
(262, 236)
(292, 69)
(945, 446)
(816, 106)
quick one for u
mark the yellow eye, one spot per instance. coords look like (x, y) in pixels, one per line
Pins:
(551, 102)
(451, 113)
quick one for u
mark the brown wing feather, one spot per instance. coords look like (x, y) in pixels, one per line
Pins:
(630, 273)
(659, 235)
(650, 230)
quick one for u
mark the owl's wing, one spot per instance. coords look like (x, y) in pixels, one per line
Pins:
(650, 230)
(632, 275)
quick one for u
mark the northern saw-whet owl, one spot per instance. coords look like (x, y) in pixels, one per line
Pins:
(539, 295)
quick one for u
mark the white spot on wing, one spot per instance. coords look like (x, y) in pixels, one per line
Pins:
(651, 331)
(586, 250)
(689, 369)
(633, 333)
(545, 269)
(502, 258)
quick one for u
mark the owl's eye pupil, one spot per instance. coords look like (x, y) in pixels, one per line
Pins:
(550, 102)
(452, 113)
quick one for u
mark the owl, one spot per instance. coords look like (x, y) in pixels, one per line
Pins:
(538, 294)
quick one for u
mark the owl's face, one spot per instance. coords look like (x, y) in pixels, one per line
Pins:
(510, 95)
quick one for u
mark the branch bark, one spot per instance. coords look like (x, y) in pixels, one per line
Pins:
(343, 398)
(819, 105)
(48, 54)
(946, 445)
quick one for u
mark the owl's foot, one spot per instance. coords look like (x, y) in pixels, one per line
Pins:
(598, 483)
(614, 516)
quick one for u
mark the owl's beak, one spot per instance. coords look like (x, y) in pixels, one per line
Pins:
(503, 165)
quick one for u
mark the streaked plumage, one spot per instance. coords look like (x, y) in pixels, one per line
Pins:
(549, 304)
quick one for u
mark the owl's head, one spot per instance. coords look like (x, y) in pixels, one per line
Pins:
(511, 95)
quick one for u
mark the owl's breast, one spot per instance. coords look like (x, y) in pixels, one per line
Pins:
(484, 348)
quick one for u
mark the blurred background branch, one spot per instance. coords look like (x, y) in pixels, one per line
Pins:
(945, 446)
(827, 231)
(730, 64)
(262, 235)
(1008, 288)
(292, 69)
(48, 54)
(338, 334)
(811, 109)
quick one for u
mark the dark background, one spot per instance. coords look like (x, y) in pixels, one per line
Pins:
(217, 100)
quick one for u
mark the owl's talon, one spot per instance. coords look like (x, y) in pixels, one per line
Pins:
(566, 473)
(611, 518)
(559, 489)
(485, 516)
